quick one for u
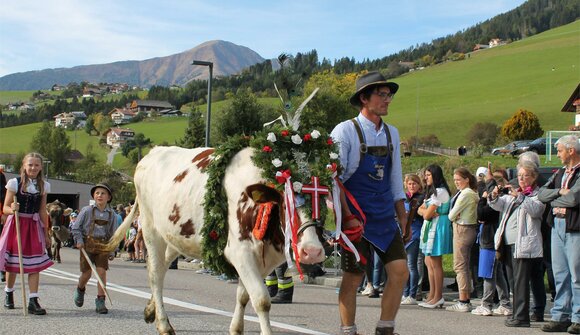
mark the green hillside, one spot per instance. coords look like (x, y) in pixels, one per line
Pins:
(538, 74)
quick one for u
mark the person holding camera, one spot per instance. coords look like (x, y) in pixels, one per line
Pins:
(518, 239)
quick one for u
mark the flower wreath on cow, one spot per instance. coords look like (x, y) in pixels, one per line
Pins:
(301, 164)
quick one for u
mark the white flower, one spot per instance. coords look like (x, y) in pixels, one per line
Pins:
(297, 186)
(271, 137)
(315, 134)
(333, 155)
(296, 139)
(277, 163)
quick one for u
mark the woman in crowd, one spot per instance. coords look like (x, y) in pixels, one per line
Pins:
(490, 268)
(415, 198)
(436, 238)
(30, 190)
(464, 219)
(518, 238)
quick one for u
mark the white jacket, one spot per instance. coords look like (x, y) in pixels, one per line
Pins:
(529, 220)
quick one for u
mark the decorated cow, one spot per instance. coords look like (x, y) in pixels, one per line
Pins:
(58, 214)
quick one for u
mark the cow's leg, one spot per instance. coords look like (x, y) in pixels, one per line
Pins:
(156, 247)
(57, 251)
(242, 298)
(254, 284)
(149, 312)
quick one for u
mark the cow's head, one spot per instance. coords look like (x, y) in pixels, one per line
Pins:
(310, 248)
(58, 214)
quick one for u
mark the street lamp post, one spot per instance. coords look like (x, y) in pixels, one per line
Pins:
(208, 116)
(46, 172)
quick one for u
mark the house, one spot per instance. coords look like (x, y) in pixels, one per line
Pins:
(116, 136)
(149, 106)
(67, 120)
(572, 105)
(495, 42)
(480, 47)
(91, 92)
(122, 115)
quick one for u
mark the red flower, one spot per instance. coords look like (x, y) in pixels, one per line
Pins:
(329, 141)
(285, 133)
(266, 149)
(307, 137)
(213, 235)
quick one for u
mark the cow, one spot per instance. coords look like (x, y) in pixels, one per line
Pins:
(58, 215)
(170, 187)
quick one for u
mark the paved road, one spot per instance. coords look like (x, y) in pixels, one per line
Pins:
(202, 304)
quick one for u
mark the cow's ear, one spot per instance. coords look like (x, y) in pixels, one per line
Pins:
(68, 211)
(261, 193)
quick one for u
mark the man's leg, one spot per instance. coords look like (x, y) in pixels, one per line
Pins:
(397, 276)
(562, 302)
(347, 297)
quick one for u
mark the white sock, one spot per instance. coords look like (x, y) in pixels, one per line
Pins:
(348, 330)
(386, 324)
(8, 290)
(33, 295)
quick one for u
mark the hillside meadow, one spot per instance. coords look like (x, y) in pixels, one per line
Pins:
(538, 74)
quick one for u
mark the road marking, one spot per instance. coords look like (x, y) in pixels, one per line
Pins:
(52, 272)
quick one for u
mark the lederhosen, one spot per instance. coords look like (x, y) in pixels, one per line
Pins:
(370, 185)
(93, 244)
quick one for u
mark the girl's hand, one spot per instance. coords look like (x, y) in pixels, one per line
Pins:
(15, 206)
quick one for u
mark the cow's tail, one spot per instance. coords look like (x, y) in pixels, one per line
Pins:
(120, 233)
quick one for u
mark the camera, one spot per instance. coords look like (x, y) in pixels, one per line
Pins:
(503, 190)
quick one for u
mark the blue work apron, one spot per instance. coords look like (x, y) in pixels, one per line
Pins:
(370, 186)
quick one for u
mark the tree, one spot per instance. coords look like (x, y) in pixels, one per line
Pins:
(243, 116)
(330, 105)
(523, 125)
(195, 133)
(102, 123)
(53, 144)
(138, 141)
(483, 133)
(90, 124)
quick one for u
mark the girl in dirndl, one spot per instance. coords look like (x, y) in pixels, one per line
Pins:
(30, 190)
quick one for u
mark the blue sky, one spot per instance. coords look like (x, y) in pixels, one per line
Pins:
(36, 35)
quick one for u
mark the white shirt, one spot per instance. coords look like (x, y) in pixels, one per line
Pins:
(347, 138)
(12, 185)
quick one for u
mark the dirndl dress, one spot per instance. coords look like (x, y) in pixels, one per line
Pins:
(437, 233)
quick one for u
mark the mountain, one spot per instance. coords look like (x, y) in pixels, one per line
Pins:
(228, 58)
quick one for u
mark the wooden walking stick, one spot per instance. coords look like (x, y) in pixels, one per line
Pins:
(20, 258)
(96, 274)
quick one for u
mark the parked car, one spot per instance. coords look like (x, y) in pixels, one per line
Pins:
(539, 145)
(510, 148)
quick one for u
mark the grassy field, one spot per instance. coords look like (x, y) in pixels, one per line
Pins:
(538, 74)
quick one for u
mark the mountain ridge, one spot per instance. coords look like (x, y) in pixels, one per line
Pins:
(176, 69)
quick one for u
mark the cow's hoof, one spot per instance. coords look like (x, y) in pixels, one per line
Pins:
(149, 317)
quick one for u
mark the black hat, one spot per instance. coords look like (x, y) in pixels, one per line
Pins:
(371, 79)
(106, 187)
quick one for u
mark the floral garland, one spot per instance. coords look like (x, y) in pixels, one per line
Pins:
(215, 228)
(301, 155)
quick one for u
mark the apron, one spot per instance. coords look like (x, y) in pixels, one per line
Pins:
(371, 188)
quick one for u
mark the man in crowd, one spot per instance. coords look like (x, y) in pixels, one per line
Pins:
(562, 192)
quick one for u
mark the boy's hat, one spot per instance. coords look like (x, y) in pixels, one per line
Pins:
(106, 187)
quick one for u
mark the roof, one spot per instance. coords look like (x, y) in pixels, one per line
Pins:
(151, 103)
(573, 101)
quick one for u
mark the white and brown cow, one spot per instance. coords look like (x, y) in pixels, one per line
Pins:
(170, 187)
(58, 215)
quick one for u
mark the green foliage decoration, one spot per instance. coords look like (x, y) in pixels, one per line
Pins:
(304, 154)
(215, 228)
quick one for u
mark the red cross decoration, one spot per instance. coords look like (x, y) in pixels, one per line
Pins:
(316, 190)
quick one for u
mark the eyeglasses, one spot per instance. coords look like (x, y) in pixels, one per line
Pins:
(523, 176)
(385, 95)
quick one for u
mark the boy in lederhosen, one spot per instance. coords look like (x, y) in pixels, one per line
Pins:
(93, 228)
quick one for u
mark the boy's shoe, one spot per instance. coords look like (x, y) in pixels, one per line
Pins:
(482, 310)
(385, 331)
(459, 307)
(100, 305)
(574, 328)
(502, 310)
(79, 297)
(556, 326)
(516, 323)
